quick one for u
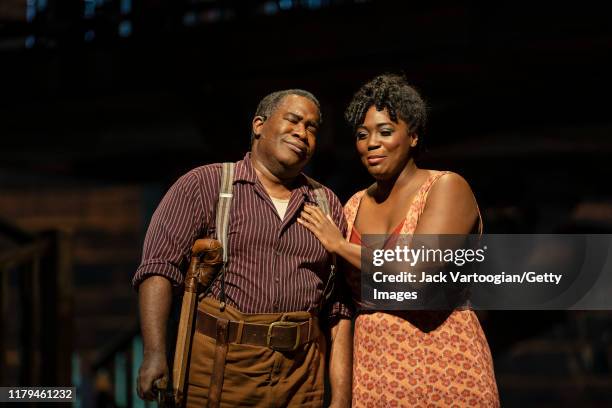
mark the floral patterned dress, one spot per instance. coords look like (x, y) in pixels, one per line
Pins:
(419, 358)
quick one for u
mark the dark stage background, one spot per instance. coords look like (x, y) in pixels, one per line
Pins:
(104, 103)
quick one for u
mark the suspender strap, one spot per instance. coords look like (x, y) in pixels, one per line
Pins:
(323, 204)
(223, 205)
(223, 215)
(320, 196)
(221, 223)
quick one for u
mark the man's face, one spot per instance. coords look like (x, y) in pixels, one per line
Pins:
(289, 135)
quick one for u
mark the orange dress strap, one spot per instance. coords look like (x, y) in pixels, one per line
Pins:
(418, 204)
(350, 211)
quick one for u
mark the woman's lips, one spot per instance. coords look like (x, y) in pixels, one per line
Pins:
(374, 160)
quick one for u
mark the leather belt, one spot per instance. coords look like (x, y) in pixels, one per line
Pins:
(280, 336)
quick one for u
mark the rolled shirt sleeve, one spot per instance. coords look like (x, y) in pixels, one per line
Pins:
(177, 222)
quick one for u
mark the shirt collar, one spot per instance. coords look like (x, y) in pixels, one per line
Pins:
(245, 171)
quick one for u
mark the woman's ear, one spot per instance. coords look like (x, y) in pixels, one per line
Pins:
(258, 122)
(414, 140)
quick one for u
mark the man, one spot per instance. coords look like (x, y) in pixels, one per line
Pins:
(276, 270)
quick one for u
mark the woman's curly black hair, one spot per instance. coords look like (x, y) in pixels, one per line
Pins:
(391, 92)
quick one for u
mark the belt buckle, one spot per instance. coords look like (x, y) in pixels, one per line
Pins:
(283, 324)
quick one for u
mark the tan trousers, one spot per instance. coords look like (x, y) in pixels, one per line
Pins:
(257, 376)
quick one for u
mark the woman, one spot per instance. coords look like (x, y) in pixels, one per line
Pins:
(416, 358)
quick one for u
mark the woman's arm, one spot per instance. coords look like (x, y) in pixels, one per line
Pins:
(450, 209)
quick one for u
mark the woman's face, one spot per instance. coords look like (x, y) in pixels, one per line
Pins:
(383, 145)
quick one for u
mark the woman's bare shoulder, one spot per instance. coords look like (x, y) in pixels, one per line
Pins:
(450, 185)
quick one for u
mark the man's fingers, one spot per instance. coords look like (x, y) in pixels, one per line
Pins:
(150, 396)
(161, 383)
(142, 389)
(146, 390)
(151, 393)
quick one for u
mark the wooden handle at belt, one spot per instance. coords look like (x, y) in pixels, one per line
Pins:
(206, 259)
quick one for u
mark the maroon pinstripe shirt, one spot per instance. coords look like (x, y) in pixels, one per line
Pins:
(274, 265)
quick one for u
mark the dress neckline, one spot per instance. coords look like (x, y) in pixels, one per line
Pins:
(422, 188)
(396, 231)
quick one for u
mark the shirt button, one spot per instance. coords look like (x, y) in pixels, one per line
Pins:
(277, 252)
(276, 280)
